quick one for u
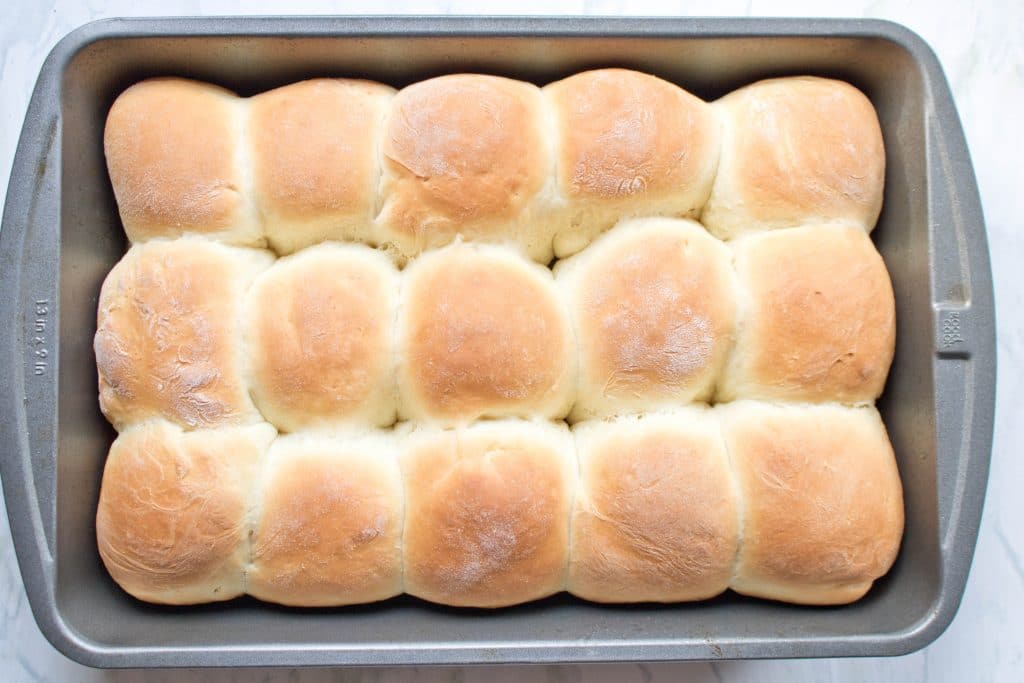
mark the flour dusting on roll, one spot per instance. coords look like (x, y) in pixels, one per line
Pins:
(464, 154)
(327, 527)
(168, 339)
(629, 144)
(487, 521)
(653, 304)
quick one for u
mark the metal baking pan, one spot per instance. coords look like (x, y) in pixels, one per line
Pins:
(61, 235)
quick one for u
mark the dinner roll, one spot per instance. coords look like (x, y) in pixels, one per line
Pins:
(315, 153)
(818, 319)
(653, 306)
(178, 164)
(821, 498)
(320, 338)
(795, 151)
(487, 512)
(629, 144)
(168, 334)
(464, 155)
(328, 521)
(655, 518)
(482, 332)
(171, 524)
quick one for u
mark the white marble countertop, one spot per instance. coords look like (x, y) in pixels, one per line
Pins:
(980, 46)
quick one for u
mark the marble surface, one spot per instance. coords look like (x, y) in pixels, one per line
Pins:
(980, 46)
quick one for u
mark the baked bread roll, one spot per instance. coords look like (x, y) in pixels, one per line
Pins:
(464, 155)
(821, 499)
(315, 160)
(168, 337)
(178, 162)
(328, 521)
(655, 518)
(487, 512)
(172, 521)
(482, 332)
(320, 338)
(796, 151)
(628, 144)
(653, 306)
(818, 321)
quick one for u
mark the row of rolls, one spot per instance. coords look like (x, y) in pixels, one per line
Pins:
(655, 313)
(794, 502)
(489, 159)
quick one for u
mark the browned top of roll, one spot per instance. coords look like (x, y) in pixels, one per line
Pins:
(329, 526)
(462, 149)
(167, 338)
(654, 307)
(625, 133)
(171, 523)
(483, 333)
(171, 146)
(314, 152)
(823, 506)
(821, 322)
(487, 518)
(797, 150)
(655, 517)
(320, 338)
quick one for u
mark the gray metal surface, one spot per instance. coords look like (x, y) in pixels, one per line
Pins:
(61, 235)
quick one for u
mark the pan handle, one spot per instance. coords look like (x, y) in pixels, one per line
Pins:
(964, 342)
(29, 330)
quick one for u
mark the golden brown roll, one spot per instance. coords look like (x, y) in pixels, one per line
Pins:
(655, 518)
(487, 512)
(328, 521)
(320, 338)
(653, 306)
(178, 163)
(821, 499)
(464, 155)
(168, 337)
(482, 332)
(172, 519)
(628, 144)
(796, 151)
(818, 319)
(315, 153)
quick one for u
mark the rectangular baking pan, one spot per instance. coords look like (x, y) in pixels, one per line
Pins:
(61, 235)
